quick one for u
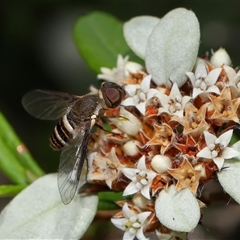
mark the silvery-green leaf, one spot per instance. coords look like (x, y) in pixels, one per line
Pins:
(136, 32)
(38, 213)
(177, 210)
(229, 178)
(236, 146)
(172, 47)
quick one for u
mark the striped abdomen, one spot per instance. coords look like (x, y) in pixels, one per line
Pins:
(64, 131)
(75, 121)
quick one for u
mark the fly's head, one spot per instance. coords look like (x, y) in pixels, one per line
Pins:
(112, 94)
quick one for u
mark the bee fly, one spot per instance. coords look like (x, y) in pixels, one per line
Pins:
(77, 116)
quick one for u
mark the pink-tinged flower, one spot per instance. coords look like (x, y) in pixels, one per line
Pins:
(105, 168)
(132, 223)
(217, 149)
(123, 69)
(203, 81)
(141, 179)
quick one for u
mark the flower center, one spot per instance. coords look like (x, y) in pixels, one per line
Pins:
(174, 105)
(188, 177)
(132, 225)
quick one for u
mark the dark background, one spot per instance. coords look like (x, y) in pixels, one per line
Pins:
(37, 51)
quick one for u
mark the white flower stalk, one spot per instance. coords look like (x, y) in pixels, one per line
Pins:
(217, 148)
(141, 179)
(132, 223)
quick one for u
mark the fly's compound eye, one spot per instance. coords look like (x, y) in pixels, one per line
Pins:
(112, 94)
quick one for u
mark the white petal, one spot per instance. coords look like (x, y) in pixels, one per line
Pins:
(143, 216)
(191, 76)
(38, 213)
(229, 178)
(153, 93)
(129, 172)
(141, 107)
(196, 92)
(128, 213)
(231, 73)
(145, 191)
(219, 161)
(172, 47)
(213, 89)
(141, 163)
(140, 235)
(205, 153)
(229, 152)
(145, 84)
(128, 236)
(130, 189)
(136, 32)
(177, 210)
(209, 138)
(226, 137)
(132, 67)
(213, 76)
(118, 222)
(131, 89)
(129, 102)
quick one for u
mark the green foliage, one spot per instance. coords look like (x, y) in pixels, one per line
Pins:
(107, 200)
(10, 190)
(15, 160)
(99, 39)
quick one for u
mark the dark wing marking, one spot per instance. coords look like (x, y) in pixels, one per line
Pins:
(71, 162)
(47, 105)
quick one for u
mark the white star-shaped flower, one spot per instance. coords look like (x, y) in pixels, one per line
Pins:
(132, 223)
(139, 94)
(174, 103)
(217, 149)
(123, 69)
(203, 81)
(141, 179)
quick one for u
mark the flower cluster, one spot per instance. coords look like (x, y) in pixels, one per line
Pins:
(171, 133)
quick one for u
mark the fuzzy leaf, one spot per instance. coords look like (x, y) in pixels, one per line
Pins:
(137, 31)
(177, 210)
(172, 47)
(229, 178)
(38, 213)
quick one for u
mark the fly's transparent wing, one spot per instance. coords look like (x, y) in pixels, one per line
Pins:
(47, 105)
(71, 162)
